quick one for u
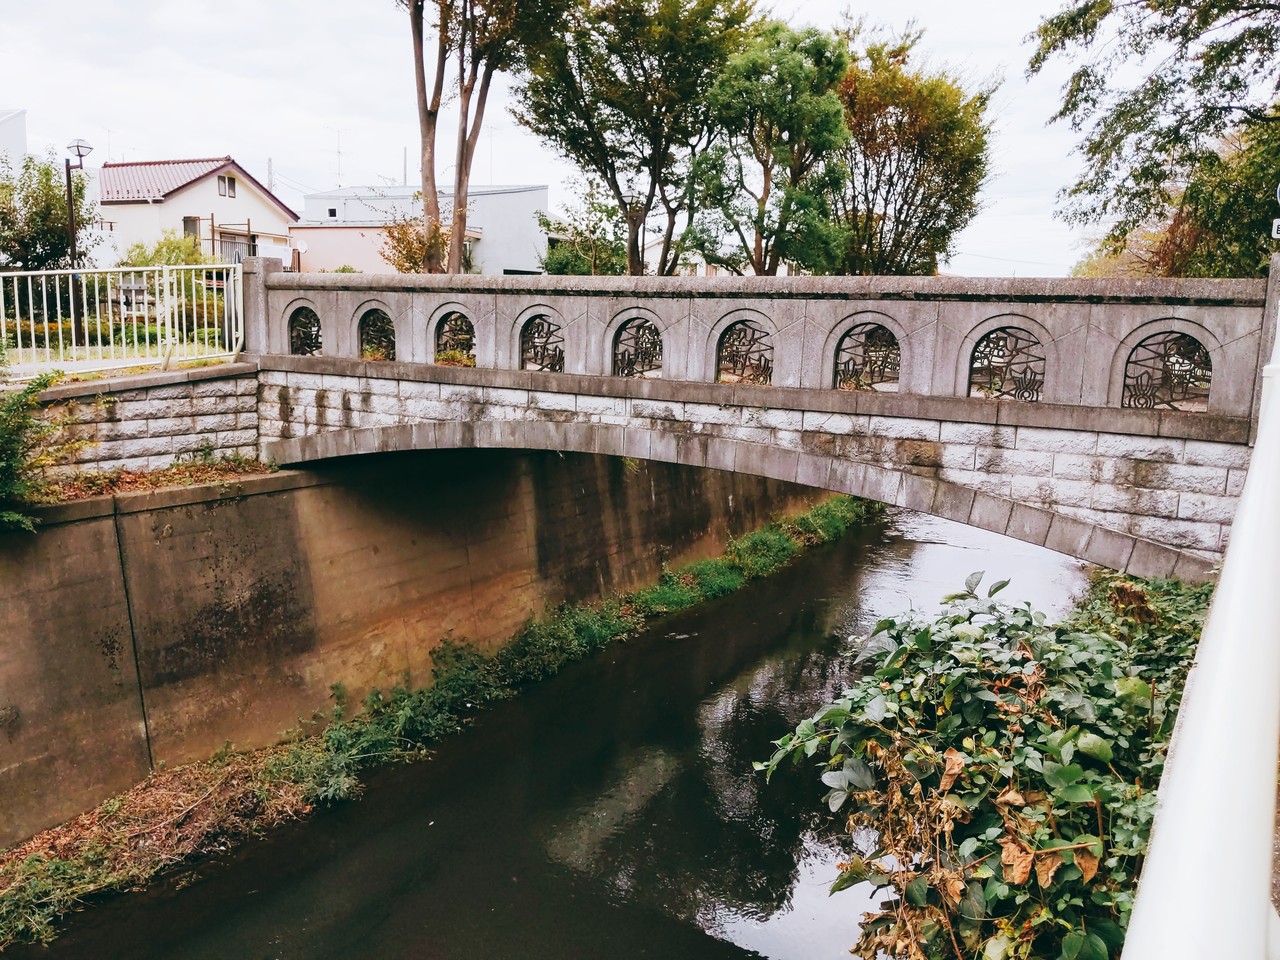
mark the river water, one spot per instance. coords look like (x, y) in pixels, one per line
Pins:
(609, 812)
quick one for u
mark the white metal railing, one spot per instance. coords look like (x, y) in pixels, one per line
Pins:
(120, 317)
(1206, 888)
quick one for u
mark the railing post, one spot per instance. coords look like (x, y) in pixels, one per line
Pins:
(254, 273)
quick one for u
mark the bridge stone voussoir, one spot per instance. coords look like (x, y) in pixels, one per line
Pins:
(636, 443)
(990, 513)
(1068, 535)
(1152, 560)
(812, 470)
(1108, 548)
(608, 441)
(1028, 523)
(1193, 569)
(721, 453)
(691, 451)
(919, 493)
(953, 502)
(662, 446)
(883, 485)
(848, 476)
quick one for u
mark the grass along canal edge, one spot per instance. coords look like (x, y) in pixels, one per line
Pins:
(181, 816)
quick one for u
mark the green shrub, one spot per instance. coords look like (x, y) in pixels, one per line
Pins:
(670, 594)
(1005, 770)
(26, 448)
(761, 553)
(717, 577)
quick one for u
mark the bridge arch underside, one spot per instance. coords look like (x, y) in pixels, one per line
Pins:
(1007, 479)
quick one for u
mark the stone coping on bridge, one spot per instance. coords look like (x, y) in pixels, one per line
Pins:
(140, 381)
(1206, 292)
(1163, 423)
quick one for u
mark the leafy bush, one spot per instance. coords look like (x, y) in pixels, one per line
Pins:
(1005, 769)
(761, 553)
(25, 449)
(455, 358)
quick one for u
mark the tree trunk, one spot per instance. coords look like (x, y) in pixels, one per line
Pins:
(428, 116)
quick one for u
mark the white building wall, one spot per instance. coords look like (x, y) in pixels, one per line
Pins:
(13, 135)
(147, 222)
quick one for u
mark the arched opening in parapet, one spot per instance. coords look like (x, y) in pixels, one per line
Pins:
(637, 349)
(304, 333)
(377, 336)
(542, 345)
(455, 341)
(1168, 370)
(745, 354)
(1007, 364)
(868, 358)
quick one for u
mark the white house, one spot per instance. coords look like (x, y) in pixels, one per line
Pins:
(214, 199)
(344, 228)
(13, 135)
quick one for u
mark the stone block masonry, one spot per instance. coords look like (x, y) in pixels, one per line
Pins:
(144, 422)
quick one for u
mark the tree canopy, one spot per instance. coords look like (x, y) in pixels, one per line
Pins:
(623, 93)
(33, 215)
(590, 239)
(1202, 67)
(1217, 225)
(172, 249)
(914, 165)
(775, 120)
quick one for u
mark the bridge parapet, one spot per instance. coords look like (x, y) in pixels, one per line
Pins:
(1189, 345)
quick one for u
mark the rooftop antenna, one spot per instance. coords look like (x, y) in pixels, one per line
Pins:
(271, 177)
(404, 177)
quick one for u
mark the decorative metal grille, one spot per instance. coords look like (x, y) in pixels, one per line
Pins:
(745, 354)
(542, 346)
(456, 337)
(637, 349)
(1007, 364)
(304, 333)
(868, 358)
(377, 336)
(1168, 370)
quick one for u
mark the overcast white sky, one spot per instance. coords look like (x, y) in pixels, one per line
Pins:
(291, 80)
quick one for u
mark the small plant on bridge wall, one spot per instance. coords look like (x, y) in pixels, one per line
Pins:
(28, 444)
(999, 773)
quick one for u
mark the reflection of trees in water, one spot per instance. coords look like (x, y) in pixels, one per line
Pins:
(715, 838)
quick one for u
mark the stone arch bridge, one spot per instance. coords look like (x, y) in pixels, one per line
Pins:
(1109, 420)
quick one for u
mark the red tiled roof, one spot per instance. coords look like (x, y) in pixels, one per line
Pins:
(153, 179)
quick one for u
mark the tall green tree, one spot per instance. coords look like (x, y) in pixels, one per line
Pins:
(590, 239)
(459, 46)
(1218, 224)
(1202, 68)
(623, 94)
(33, 215)
(763, 181)
(917, 158)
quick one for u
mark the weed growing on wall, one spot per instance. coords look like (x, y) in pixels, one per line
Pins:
(179, 815)
(26, 448)
(1001, 772)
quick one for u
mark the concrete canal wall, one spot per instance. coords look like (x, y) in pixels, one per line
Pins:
(152, 628)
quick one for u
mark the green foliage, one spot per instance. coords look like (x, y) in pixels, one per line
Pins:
(916, 160)
(1005, 769)
(776, 119)
(33, 215)
(760, 553)
(590, 239)
(455, 358)
(173, 249)
(1202, 68)
(622, 92)
(1217, 225)
(25, 450)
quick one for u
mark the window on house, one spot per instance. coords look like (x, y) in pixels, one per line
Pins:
(231, 186)
(226, 186)
(333, 212)
(222, 186)
(191, 226)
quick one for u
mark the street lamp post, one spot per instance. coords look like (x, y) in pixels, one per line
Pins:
(81, 149)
